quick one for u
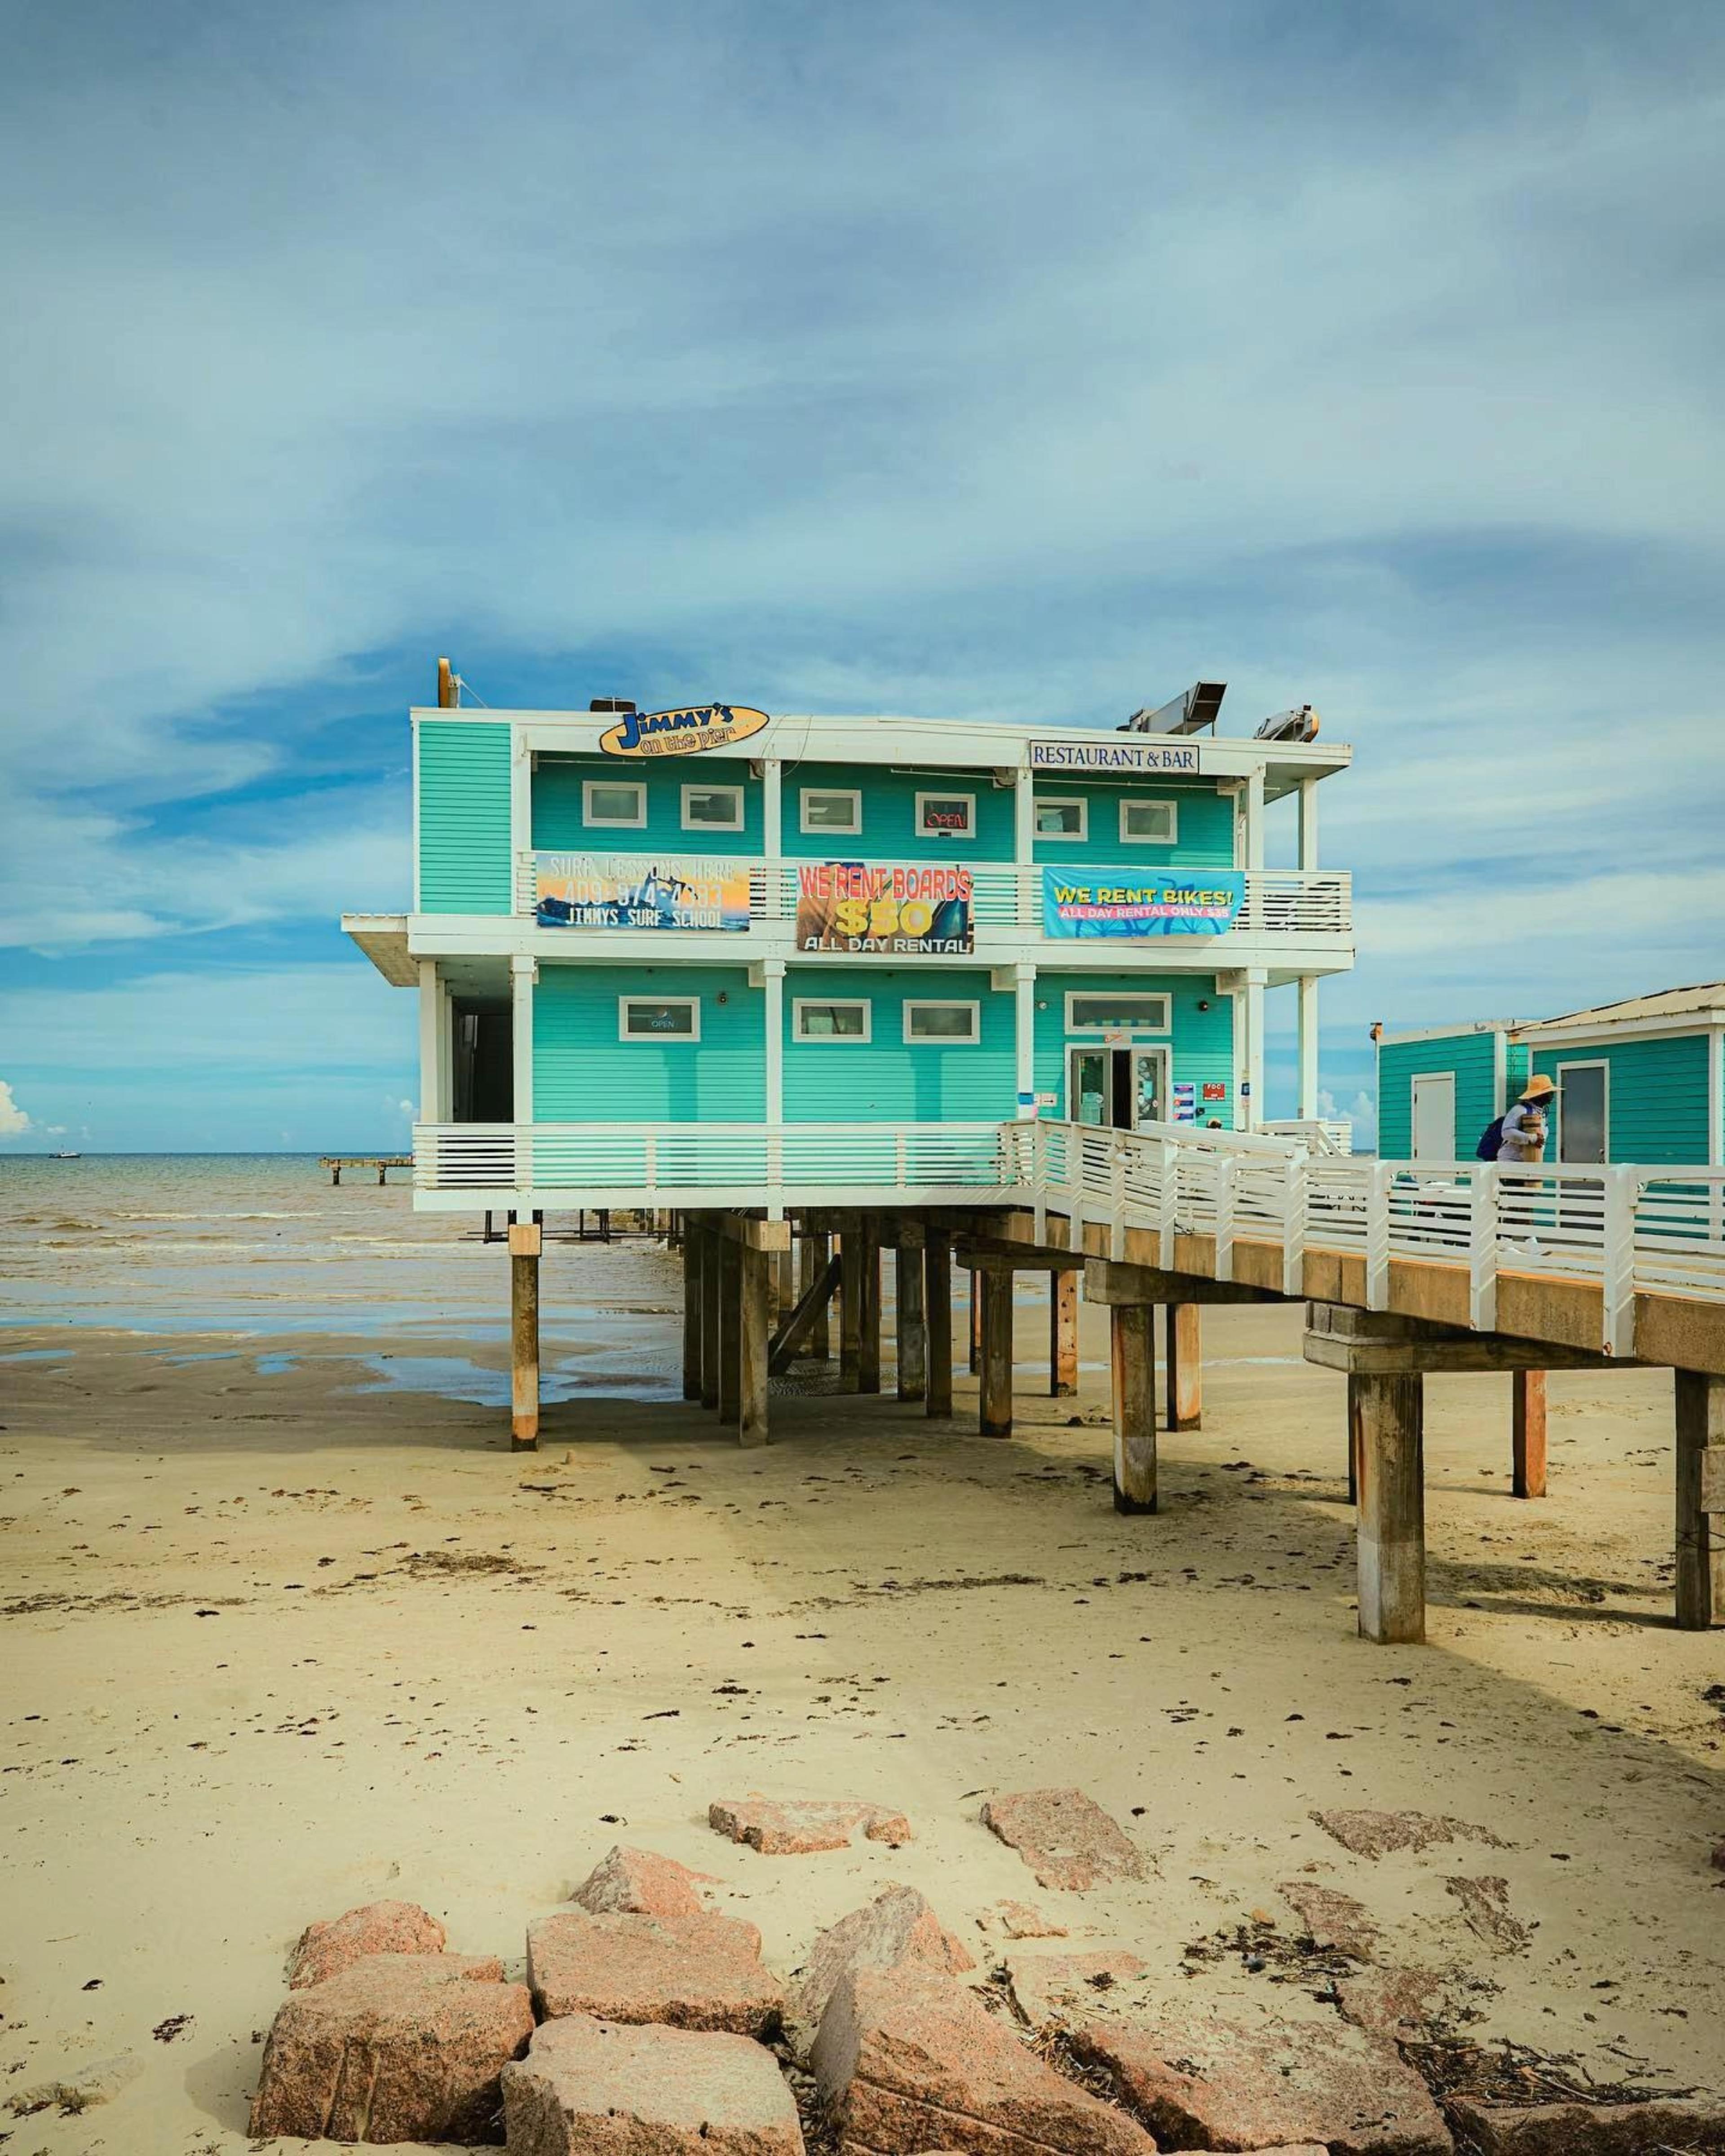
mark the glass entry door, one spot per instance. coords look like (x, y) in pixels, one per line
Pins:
(1089, 1086)
(1117, 1088)
(1149, 1086)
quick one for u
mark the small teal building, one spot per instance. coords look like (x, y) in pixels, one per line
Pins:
(1642, 1079)
(681, 957)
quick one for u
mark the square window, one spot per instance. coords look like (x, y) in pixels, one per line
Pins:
(1147, 823)
(1062, 817)
(614, 803)
(951, 1023)
(658, 1018)
(712, 808)
(946, 815)
(1117, 1012)
(813, 1020)
(825, 808)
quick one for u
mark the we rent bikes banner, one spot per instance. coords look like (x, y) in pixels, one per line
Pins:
(1118, 902)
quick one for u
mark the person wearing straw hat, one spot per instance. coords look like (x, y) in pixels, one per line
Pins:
(1522, 1134)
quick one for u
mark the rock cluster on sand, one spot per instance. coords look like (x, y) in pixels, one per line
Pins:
(397, 2047)
(326, 1948)
(897, 1927)
(702, 1971)
(800, 1826)
(639, 1882)
(1377, 1833)
(1064, 1836)
(1593, 2129)
(1333, 1922)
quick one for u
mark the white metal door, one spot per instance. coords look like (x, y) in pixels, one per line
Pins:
(1435, 1117)
(1583, 1113)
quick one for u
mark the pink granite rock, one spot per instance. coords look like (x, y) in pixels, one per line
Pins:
(1376, 1834)
(1065, 1838)
(907, 2060)
(397, 2047)
(1199, 2081)
(326, 1948)
(600, 2088)
(1057, 1990)
(1021, 1920)
(1485, 1903)
(798, 1826)
(1593, 2129)
(693, 1972)
(895, 1928)
(1397, 2004)
(1333, 1920)
(640, 1882)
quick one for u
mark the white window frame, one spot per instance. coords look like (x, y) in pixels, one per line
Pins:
(947, 793)
(692, 1004)
(973, 1038)
(1078, 801)
(735, 824)
(851, 793)
(800, 1004)
(636, 822)
(1149, 800)
(1164, 1025)
(1582, 1063)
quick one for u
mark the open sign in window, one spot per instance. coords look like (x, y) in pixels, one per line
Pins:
(946, 815)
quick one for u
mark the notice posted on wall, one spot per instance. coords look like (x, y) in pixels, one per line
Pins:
(640, 890)
(1126, 902)
(904, 909)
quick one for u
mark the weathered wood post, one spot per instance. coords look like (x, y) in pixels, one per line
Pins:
(693, 1242)
(938, 1319)
(1392, 1507)
(706, 1233)
(868, 1308)
(1527, 1432)
(912, 1327)
(850, 1273)
(525, 1240)
(994, 1396)
(335, 1174)
(812, 1253)
(1353, 1447)
(976, 1323)
(729, 1329)
(1062, 1335)
(782, 1299)
(1131, 1341)
(1700, 1403)
(755, 1270)
(1185, 1365)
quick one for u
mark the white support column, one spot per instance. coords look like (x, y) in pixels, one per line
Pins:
(1252, 1005)
(1255, 819)
(1308, 1044)
(772, 980)
(431, 1039)
(771, 807)
(523, 978)
(1308, 824)
(520, 807)
(1025, 1036)
(1024, 816)
(446, 1054)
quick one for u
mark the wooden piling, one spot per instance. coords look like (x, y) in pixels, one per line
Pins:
(994, 1396)
(712, 1293)
(1185, 1365)
(755, 1273)
(910, 1309)
(1391, 1533)
(850, 1255)
(938, 1320)
(1528, 1432)
(868, 1313)
(729, 1329)
(525, 1241)
(813, 1252)
(1062, 1335)
(1132, 1340)
(976, 1324)
(1700, 1405)
(693, 1244)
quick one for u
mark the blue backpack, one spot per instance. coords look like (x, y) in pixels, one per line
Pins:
(1491, 1141)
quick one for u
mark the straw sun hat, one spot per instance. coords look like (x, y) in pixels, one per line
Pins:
(1538, 1089)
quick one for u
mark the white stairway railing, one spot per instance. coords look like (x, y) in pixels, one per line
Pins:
(1007, 895)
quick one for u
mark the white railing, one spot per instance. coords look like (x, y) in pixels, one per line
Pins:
(1318, 1134)
(1008, 894)
(1625, 1229)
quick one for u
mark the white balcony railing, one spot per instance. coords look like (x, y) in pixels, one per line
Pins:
(1006, 895)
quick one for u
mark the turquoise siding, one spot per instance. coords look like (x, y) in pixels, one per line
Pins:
(1205, 826)
(888, 815)
(462, 778)
(1656, 1096)
(886, 1079)
(1202, 1041)
(559, 825)
(583, 1074)
(1469, 1056)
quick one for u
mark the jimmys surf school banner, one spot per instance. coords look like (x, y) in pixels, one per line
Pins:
(906, 909)
(1123, 902)
(637, 890)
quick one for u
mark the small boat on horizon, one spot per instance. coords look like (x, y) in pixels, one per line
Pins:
(65, 1155)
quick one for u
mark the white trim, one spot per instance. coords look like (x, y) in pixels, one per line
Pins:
(864, 1004)
(1500, 1071)
(1583, 1063)
(773, 981)
(691, 1004)
(589, 786)
(1131, 801)
(523, 978)
(736, 795)
(1078, 801)
(1506, 1025)
(1715, 1097)
(946, 830)
(1166, 1023)
(852, 794)
(1556, 1034)
(973, 1038)
(1307, 1034)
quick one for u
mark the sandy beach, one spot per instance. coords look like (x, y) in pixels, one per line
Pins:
(287, 1628)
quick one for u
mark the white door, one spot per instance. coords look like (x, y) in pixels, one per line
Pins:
(1435, 1117)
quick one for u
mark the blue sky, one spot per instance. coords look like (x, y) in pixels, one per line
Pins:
(971, 359)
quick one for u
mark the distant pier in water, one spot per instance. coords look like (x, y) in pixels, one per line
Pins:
(335, 1163)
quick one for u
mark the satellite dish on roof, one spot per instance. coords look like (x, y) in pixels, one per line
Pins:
(1298, 725)
(1188, 713)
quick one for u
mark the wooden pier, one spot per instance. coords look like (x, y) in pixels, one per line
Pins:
(335, 1163)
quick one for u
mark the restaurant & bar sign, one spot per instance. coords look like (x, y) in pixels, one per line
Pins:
(905, 909)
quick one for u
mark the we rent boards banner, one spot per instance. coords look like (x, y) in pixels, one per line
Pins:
(1121, 902)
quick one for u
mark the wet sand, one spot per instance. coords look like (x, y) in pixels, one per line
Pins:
(282, 1635)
